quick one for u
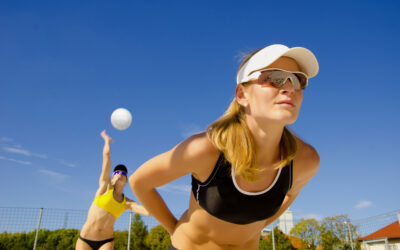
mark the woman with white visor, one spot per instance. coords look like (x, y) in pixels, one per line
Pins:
(247, 167)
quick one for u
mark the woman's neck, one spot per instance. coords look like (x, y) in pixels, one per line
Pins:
(267, 137)
(118, 190)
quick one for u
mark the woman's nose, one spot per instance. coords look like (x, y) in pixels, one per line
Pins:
(288, 87)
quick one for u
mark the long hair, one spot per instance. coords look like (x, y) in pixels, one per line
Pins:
(231, 135)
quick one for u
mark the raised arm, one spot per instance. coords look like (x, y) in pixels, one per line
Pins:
(187, 157)
(105, 170)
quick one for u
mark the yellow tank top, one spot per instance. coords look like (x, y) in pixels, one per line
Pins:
(108, 203)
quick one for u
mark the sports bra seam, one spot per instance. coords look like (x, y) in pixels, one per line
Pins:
(197, 193)
(210, 178)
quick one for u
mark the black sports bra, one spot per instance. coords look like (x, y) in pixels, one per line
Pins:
(220, 195)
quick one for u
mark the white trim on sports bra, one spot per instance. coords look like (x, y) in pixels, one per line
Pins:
(254, 193)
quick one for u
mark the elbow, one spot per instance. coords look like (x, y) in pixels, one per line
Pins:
(141, 184)
(135, 184)
(132, 182)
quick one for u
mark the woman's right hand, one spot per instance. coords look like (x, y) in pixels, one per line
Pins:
(192, 155)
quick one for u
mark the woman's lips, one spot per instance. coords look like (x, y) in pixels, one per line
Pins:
(286, 103)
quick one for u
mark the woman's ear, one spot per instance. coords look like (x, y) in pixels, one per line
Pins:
(241, 95)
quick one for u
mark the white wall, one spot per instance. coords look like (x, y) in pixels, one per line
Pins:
(285, 222)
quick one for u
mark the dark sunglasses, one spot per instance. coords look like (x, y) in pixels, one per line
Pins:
(119, 172)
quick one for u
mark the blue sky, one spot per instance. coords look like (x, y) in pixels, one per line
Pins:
(66, 65)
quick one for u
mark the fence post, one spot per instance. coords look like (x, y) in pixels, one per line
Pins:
(129, 232)
(273, 237)
(37, 229)
(347, 223)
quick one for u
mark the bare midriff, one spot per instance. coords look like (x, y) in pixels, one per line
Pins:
(99, 224)
(197, 229)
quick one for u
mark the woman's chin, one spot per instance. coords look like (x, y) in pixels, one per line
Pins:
(287, 117)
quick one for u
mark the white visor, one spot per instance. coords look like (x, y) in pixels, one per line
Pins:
(305, 59)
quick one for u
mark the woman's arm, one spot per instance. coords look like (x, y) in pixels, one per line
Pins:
(136, 208)
(104, 180)
(187, 157)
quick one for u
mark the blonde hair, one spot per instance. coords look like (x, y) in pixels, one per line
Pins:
(231, 135)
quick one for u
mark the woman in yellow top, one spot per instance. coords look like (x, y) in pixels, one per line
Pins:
(108, 205)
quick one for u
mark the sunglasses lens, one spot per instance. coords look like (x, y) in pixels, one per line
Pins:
(302, 79)
(270, 78)
(119, 172)
(277, 78)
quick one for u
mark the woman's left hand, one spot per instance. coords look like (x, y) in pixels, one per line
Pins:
(106, 137)
(138, 209)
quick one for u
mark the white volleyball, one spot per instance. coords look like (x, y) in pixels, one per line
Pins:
(121, 118)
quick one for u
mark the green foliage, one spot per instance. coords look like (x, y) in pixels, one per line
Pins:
(120, 240)
(14, 241)
(42, 237)
(282, 242)
(265, 244)
(308, 231)
(158, 239)
(61, 239)
(138, 234)
(332, 233)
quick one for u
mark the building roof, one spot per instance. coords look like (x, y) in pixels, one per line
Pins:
(390, 231)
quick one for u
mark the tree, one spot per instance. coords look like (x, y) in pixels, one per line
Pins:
(41, 240)
(138, 234)
(62, 239)
(120, 240)
(334, 232)
(265, 244)
(307, 230)
(282, 242)
(22, 240)
(158, 238)
(14, 241)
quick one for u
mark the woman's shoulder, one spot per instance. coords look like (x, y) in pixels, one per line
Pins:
(307, 158)
(201, 153)
(199, 145)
